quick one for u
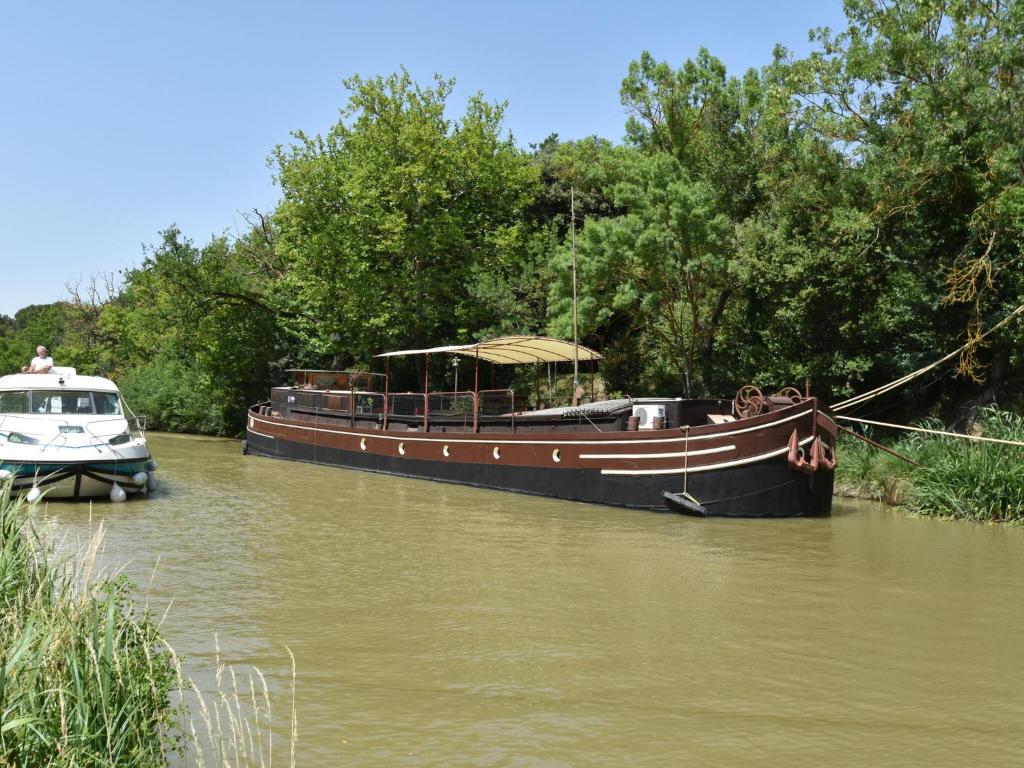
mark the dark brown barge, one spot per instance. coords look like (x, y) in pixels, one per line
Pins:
(753, 456)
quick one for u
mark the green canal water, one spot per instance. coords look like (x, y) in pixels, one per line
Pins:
(435, 625)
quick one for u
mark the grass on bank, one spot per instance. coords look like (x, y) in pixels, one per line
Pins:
(957, 478)
(86, 680)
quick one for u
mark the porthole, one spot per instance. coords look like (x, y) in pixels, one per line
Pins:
(446, 452)
(556, 455)
(496, 452)
(401, 449)
(362, 444)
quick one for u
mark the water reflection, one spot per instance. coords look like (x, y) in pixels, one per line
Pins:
(440, 625)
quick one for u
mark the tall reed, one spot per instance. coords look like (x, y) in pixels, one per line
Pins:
(83, 682)
(86, 680)
(979, 481)
(956, 477)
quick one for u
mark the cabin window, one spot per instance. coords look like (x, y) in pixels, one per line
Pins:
(107, 403)
(61, 401)
(13, 402)
(70, 402)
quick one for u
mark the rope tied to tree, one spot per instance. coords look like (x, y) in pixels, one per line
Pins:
(925, 430)
(969, 345)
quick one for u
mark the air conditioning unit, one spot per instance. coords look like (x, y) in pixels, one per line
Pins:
(646, 413)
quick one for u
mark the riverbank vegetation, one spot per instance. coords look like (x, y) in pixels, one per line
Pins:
(87, 681)
(82, 681)
(949, 477)
(842, 217)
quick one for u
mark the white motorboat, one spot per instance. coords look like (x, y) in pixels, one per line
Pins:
(70, 436)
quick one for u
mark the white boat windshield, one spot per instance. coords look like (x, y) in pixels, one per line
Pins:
(61, 401)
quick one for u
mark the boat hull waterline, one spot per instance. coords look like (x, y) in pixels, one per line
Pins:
(78, 480)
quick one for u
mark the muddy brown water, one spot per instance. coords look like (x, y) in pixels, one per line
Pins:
(440, 625)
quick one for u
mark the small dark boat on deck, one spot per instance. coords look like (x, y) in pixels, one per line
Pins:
(752, 456)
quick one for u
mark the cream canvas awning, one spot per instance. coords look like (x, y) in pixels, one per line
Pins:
(511, 350)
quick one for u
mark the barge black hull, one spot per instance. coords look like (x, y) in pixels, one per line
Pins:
(766, 488)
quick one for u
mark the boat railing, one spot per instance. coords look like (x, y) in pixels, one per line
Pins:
(470, 405)
(137, 426)
(413, 408)
(497, 402)
(452, 403)
(42, 432)
(354, 403)
(406, 404)
(367, 403)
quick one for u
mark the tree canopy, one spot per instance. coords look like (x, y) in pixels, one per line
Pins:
(840, 217)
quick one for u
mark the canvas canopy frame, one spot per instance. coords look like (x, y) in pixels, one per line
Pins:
(504, 350)
(511, 350)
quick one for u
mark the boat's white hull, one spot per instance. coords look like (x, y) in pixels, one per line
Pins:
(77, 472)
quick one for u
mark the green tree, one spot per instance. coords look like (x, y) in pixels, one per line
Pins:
(31, 326)
(196, 335)
(660, 276)
(389, 219)
(513, 288)
(926, 100)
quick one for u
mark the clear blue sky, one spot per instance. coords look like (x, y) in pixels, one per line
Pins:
(119, 119)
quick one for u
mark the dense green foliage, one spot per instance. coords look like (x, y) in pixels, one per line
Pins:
(841, 217)
(83, 681)
(387, 220)
(956, 477)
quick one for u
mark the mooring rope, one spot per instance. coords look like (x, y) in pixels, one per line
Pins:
(976, 438)
(863, 398)
(873, 444)
(686, 458)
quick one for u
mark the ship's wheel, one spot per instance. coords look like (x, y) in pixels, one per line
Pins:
(792, 393)
(748, 401)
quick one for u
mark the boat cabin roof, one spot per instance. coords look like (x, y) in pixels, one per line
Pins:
(512, 350)
(61, 378)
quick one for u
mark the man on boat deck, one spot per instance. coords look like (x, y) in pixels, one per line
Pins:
(41, 363)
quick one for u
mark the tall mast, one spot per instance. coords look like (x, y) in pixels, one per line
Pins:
(575, 331)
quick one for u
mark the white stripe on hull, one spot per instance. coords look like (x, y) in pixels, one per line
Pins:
(706, 467)
(682, 455)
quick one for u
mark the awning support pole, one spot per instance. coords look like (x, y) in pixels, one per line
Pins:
(476, 392)
(426, 393)
(387, 390)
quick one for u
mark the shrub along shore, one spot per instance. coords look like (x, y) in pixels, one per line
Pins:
(955, 478)
(87, 681)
